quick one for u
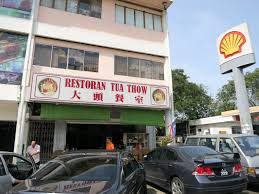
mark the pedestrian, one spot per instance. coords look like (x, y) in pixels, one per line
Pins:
(34, 151)
(139, 150)
(109, 144)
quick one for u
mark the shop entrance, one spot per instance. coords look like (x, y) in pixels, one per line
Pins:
(7, 136)
(86, 136)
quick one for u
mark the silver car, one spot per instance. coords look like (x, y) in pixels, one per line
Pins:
(14, 167)
(246, 145)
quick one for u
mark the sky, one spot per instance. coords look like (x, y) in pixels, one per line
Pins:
(194, 26)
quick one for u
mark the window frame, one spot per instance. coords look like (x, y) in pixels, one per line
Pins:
(139, 65)
(206, 138)
(231, 147)
(77, 12)
(2, 165)
(67, 57)
(165, 154)
(20, 158)
(144, 17)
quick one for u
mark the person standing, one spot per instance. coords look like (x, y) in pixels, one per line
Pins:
(109, 144)
(34, 151)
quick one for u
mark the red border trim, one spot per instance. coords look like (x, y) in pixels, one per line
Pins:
(34, 98)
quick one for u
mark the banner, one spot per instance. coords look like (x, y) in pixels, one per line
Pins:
(16, 8)
(12, 53)
(65, 89)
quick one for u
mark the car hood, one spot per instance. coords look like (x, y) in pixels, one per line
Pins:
(87, 187)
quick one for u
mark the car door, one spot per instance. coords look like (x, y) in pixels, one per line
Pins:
(128, 176)
(18, 167)
(167, 166)
(5, 179)
(150, 164)
(139, 175)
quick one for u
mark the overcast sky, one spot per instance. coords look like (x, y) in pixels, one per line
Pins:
(194, 27)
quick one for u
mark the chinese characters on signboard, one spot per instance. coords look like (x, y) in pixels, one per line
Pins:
(12, 53)
(16, 8)
(64, 89)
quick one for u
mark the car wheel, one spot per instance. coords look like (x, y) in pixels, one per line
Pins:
(177, 186)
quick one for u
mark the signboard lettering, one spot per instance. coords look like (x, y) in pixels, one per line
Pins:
(66, 89)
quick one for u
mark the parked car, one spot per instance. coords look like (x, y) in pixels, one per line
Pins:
(246, 145)
(88, 173)
(193, 169)
(13, 166)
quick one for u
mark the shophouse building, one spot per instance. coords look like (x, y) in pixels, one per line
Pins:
(75, 72)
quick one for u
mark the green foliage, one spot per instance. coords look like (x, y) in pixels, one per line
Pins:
(226, 97)
(165, 140)
(191, 100)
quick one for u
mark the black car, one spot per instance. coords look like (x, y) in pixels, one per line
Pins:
(194, 169)
(89, 173)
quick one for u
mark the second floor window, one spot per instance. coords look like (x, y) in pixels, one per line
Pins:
(138, 18)
(134, 67)
(91, 8)
(65, 58)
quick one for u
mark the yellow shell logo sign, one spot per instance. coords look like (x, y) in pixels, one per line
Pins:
(232, 43)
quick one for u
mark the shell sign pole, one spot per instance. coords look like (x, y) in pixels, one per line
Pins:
(235, 53)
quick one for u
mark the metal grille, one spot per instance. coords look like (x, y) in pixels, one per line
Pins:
(43, 133)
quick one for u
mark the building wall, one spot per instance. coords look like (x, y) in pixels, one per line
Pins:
(106, 63)
(103, 35)
(103, 32)
(8, 111)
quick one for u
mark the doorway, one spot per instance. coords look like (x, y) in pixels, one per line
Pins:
(91, 136)
(7, 136)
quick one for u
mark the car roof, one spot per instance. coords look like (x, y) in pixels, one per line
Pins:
(66, 156)
(178, 147)
(220, 135)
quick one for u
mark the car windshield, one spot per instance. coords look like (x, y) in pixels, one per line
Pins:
(79, 169)
(197, 151)
(249, 145)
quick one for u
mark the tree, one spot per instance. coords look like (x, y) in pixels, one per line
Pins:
(191, 100)
(226, 97)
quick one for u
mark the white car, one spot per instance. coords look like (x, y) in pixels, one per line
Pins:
(14, 166)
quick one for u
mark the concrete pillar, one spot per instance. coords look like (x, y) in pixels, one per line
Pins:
(60, 135)
(23, 104)
(169, 114)
(26, 135)
(242, 101)
(151, 131)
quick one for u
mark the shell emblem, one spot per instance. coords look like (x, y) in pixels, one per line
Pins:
(232, 43)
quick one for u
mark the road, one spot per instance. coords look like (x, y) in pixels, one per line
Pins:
(153, 190)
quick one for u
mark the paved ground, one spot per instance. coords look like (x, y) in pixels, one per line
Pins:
(153, 190)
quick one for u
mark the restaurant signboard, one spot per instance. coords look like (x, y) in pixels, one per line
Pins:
(66, 89)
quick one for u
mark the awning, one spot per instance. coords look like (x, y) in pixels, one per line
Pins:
(128, 116)
(142, 117)
(69, 112)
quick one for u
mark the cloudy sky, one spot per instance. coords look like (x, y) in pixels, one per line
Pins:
(194, 27)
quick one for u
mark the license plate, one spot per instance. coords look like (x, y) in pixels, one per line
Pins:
(224, 172)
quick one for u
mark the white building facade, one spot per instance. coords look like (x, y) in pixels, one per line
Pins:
(75, 71)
